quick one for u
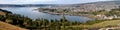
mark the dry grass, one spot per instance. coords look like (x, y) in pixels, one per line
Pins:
(101, 24)
(6, 26)
(2, 13)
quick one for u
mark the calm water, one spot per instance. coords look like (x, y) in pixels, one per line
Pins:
(29, 12)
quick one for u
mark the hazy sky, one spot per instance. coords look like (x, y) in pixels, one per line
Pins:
(46, 1)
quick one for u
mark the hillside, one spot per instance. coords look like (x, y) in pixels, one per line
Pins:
(87, 7)
(105, 24)
(94, 6)
(6, 26)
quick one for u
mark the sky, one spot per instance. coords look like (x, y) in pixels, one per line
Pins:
(47, 1)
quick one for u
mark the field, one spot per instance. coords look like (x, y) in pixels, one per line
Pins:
(105, 24)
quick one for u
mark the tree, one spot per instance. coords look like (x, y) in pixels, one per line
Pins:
(63, 19)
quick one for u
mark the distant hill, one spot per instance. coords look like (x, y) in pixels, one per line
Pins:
(26, 5)
(103, 5)
(107, 5)
(6, 26)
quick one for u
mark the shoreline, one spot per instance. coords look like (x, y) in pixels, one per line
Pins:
(83, 15)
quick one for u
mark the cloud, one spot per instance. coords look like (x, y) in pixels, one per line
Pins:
(36, 0)
(46, 1)
(22, 1)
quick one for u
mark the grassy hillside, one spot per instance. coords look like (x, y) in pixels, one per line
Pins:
(111, 23)
(6, 26)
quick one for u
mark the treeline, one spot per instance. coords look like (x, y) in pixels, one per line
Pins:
(28, 23)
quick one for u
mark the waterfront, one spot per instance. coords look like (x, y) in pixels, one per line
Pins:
(29, 12)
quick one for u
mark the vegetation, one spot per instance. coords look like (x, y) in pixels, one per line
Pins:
(104, 24)
(37, 24)
(41, 24)
(6, 26)
(63, 24)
